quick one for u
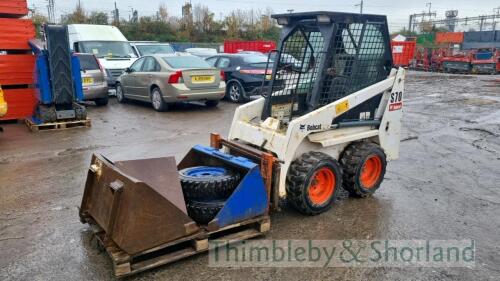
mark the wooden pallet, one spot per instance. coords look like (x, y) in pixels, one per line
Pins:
(57, 125)
(126, 265)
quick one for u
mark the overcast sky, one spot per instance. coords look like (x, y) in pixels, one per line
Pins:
(397, 11)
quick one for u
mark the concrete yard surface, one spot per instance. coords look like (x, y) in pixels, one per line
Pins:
(445, 186)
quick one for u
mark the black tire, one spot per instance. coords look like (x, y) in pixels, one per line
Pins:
(209, 187)
(203, 212)
(102, 101)
(157, 100)
(238, 95)
(353, 162)
(120, 94)
(80, 111)
(212, 103)
(300, 177)
(46, 114)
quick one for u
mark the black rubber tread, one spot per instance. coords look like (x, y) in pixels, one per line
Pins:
(203, 212)
(299, 176)
(352, 161)
(80, 111)
(212, 103)
(102, 101)
(47, 114)
(59, 58)
(210, 187)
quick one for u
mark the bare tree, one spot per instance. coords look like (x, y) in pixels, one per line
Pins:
(163, 13)
(98, 18)
(203, 18)
(235, 23)
(77, 16)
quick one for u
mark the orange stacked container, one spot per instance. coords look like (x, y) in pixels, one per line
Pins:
(17, 63)
(403, 52)
(13, 8)
(449, 37)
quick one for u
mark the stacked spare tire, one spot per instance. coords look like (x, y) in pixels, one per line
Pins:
(206, 190)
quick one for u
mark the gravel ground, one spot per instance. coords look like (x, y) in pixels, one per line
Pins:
(444, 186)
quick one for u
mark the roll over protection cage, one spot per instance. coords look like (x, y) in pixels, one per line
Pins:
(336, 54)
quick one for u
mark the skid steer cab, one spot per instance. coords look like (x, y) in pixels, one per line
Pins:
(333, 118)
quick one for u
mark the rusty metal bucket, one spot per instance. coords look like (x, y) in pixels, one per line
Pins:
(139, 204)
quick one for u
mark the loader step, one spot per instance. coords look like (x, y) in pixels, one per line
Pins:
(126, 265)
(34, 127)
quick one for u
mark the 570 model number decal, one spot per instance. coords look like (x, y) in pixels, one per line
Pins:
(396, 102)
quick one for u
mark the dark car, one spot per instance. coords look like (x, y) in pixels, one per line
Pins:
(244, 74)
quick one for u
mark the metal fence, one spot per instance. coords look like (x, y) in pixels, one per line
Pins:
(182, 46)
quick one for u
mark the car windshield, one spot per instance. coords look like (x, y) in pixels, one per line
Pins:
(186, 62)
(108, 49)
(146, 50)
(88, 62)
(257, 61)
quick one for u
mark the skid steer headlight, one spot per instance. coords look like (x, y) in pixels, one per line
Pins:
(323, 19)
(282, 21)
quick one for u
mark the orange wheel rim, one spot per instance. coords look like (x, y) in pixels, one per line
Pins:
(322, 186)
(371, 171)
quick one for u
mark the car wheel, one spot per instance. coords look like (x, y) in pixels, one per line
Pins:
(102, 101)
(120, 96)
(157, 100)
(235, 92)
(212, 103)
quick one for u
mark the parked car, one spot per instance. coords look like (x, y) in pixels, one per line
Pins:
(152, 48)
(167, 79)
(287, 60)
(107, 43)
(244, 74)
(250, 53)
(201, 52)
(95, 87)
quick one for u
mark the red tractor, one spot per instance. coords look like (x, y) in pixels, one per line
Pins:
(458, 63)
(429, 59)
(486, 61)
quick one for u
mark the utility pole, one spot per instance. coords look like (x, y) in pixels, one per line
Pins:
(481, 23)
(413, 22)
(290, 11)
(50, 11)
(497, 14)
(116, 15)
(360, 5)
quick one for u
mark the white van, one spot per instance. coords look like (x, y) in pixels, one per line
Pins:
(148, 48)
(107, 43)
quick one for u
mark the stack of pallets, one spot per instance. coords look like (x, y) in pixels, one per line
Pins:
(17, 63)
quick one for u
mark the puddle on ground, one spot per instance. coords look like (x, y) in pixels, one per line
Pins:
(472, 101)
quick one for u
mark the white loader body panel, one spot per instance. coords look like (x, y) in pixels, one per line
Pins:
(313, 132)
